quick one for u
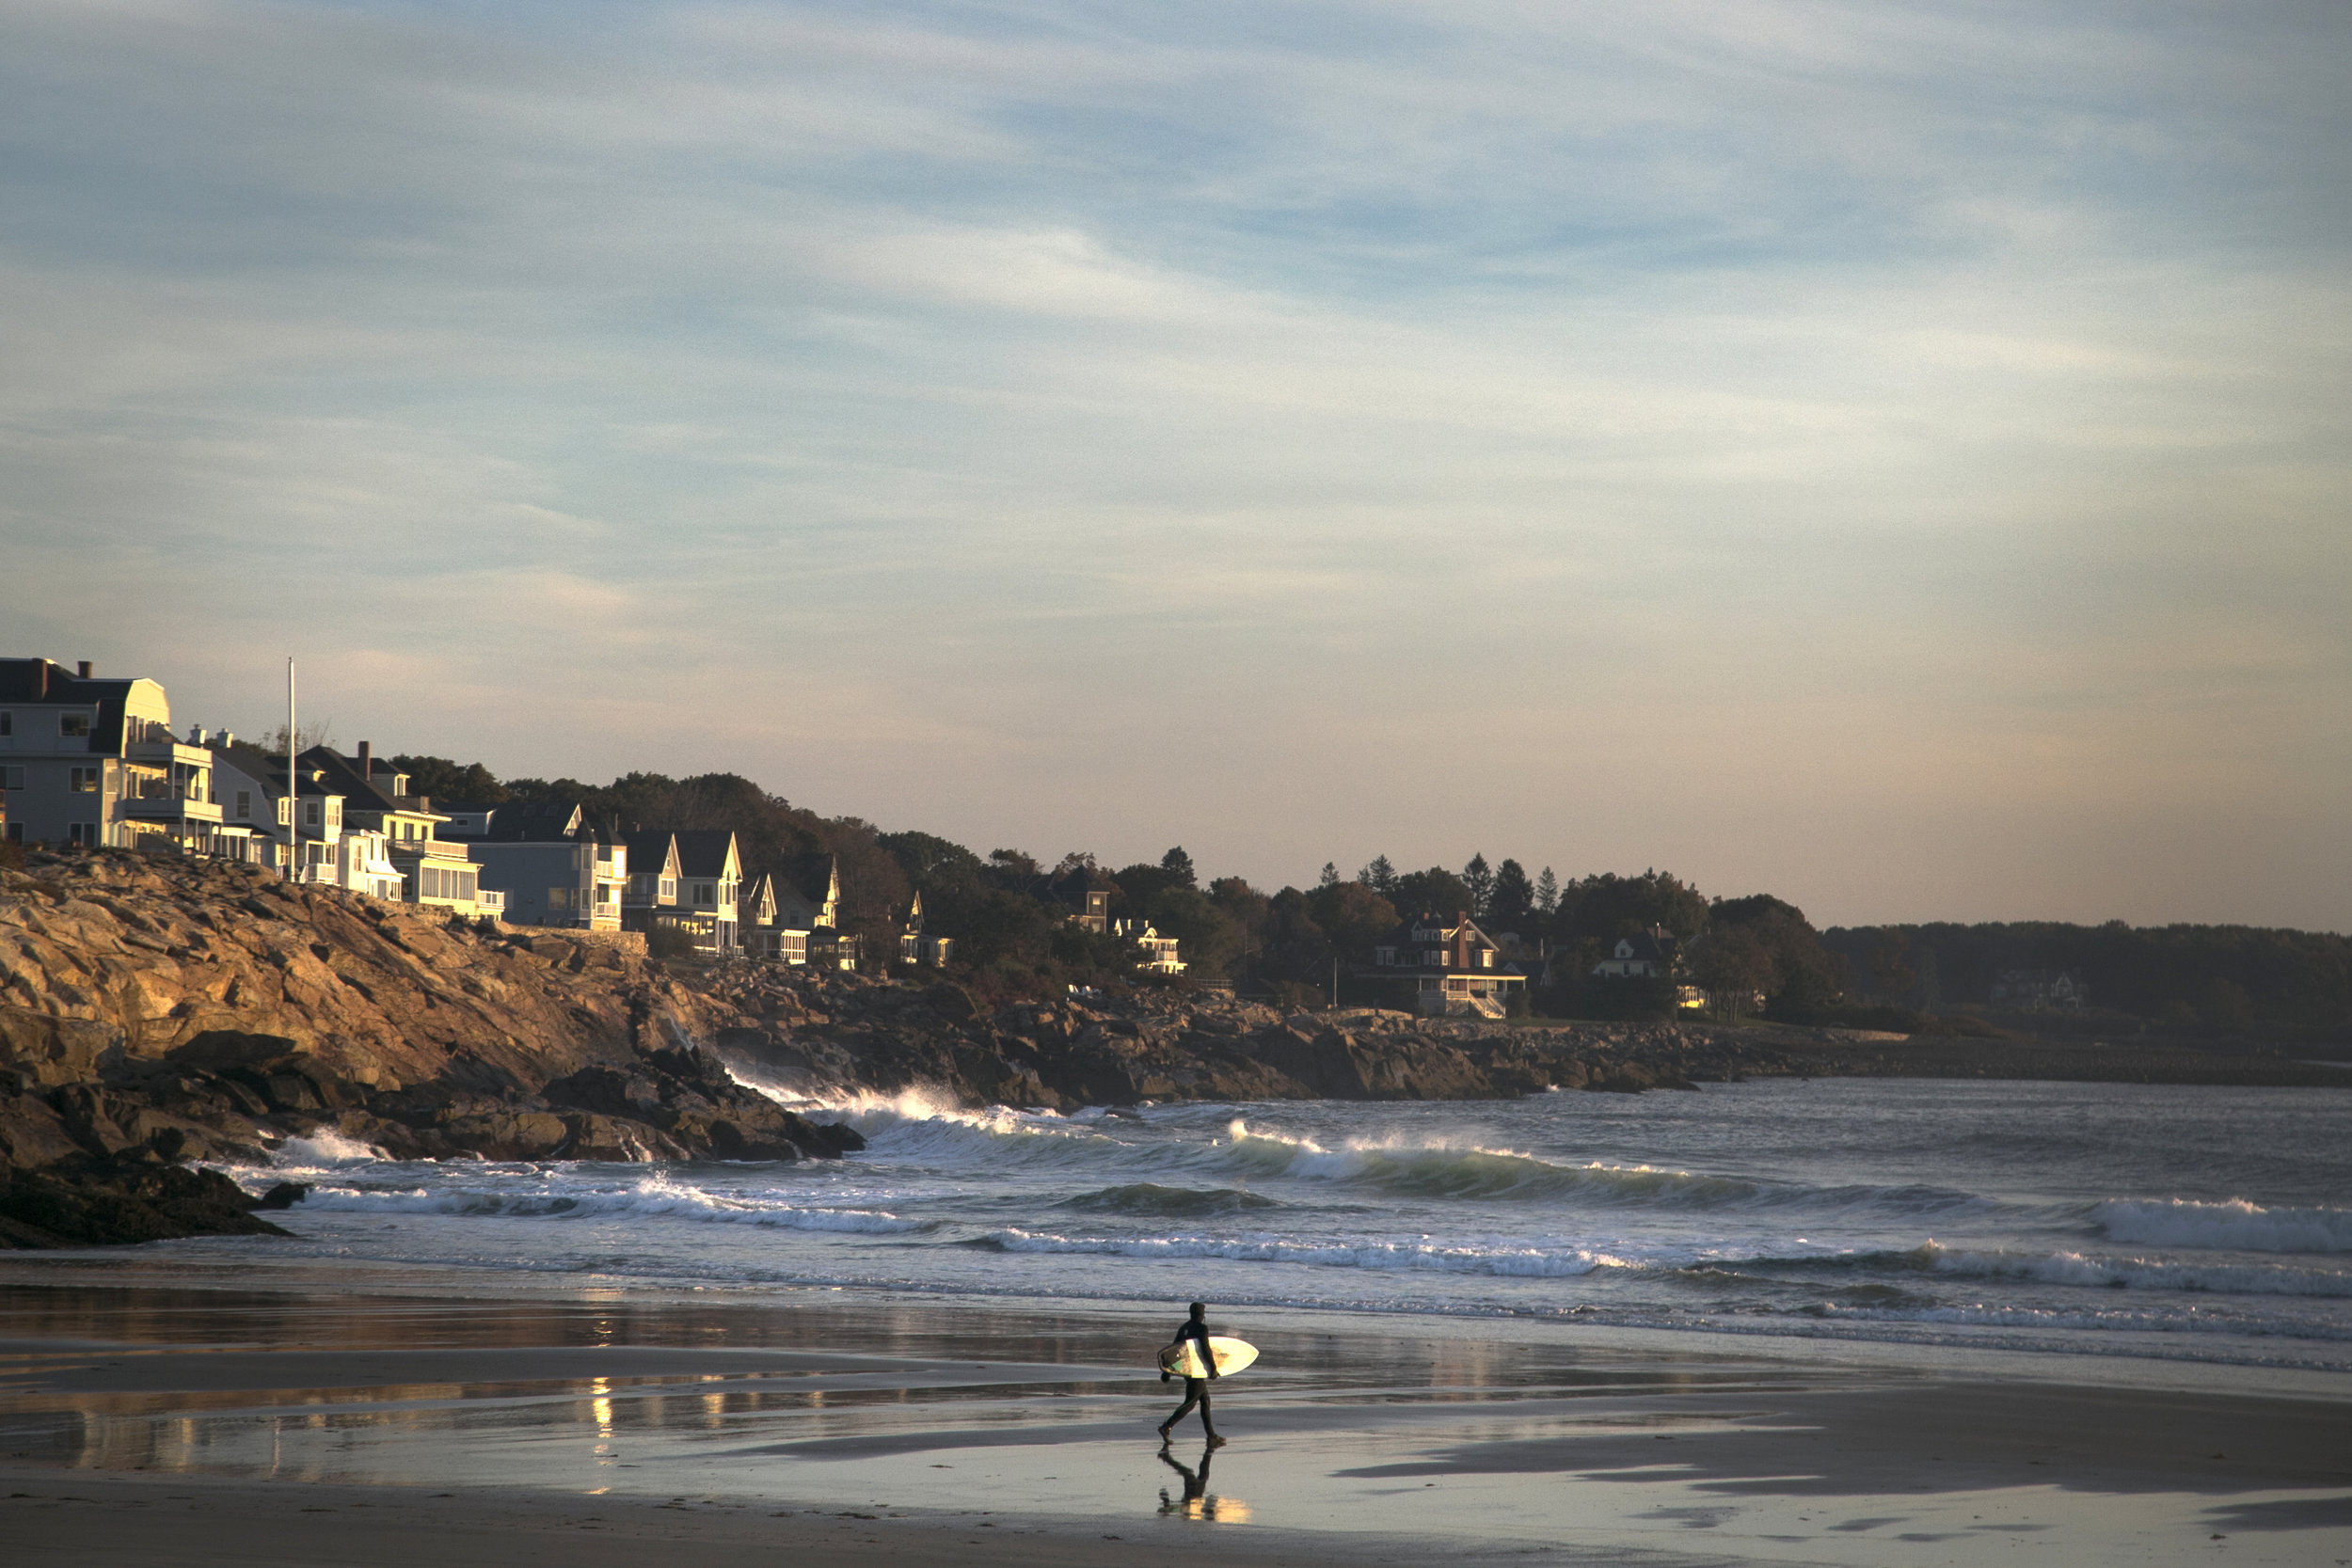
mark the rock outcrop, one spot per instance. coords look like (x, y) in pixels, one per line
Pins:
(154, 1008)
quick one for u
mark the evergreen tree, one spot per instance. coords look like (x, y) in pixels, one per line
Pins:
(1511, 902)
(1547, 892)
(1330, 877)
(1379, 875)
(1480, 879)
(1179, 867)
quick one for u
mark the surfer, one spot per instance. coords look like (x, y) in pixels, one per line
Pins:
(1195, 1328)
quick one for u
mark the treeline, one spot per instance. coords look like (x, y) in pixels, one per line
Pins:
(1750, 954)
(2225, 979)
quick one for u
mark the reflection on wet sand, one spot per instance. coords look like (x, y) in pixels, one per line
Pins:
(872, 1405)
(1199, 1502)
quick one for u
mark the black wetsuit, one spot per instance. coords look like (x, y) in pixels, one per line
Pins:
(1196, 1388)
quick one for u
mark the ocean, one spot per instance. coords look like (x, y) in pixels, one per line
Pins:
(2139, 1221)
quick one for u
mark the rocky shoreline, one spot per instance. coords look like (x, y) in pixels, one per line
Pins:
(159, 1015)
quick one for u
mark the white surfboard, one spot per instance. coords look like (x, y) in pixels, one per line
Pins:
(1182, 1358)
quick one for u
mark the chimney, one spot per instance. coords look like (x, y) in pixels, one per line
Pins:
(82, 669)
(367, 759)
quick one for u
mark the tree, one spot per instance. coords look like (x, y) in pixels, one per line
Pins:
(1379, 875)
(1207, 939)
(1352, 916)
(1435, 890)
(1179, 867)
(1511, 902)
(1330, 877)
(1547, 894)
(445, 780)
(1733, 968)
(927, 857)
(1016, 863)
(1480, 880)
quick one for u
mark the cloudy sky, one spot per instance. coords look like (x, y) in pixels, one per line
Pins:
(1890, 455)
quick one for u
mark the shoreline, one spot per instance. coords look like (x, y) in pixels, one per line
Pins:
(681, 1420)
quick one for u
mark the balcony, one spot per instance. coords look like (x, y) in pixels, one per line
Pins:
(168, 807)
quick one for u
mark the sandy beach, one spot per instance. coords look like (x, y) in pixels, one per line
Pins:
(147, 1421)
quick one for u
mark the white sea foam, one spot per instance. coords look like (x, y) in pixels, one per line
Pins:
(1519, 1262)
(323, 1149)
(654, 1198)
(2236, 1226)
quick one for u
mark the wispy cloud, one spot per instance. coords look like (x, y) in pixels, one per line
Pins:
(1892, 454)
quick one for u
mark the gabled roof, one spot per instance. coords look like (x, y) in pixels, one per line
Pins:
(530, 821)
(794, 913)
(1645, 945)
(652, 851)
(1401, 934)
(340, 775)
(707, 852)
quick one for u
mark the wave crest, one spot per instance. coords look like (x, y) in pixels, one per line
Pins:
(2234, 1225)
(1151, 1198)
(656, 1198)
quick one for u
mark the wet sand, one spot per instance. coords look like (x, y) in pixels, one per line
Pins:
(143, 1422)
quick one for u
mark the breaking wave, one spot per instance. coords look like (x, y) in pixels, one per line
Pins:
(2235, 1225)
(1152, 1200)
(1520, 1262)
(2141, 1274)
(655, 1197)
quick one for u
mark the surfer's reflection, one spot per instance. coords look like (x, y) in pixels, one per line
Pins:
(1197, 1502)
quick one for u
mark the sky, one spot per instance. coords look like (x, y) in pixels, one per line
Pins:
(1894, 456)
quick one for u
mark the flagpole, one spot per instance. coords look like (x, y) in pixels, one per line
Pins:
(293, 789)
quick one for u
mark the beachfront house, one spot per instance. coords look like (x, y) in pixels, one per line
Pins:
(1447, 966)
(1639, 955)
(433, 872)
(550, 863)
(915, 946)
(711, 875)
(249, 786)
(92, 763)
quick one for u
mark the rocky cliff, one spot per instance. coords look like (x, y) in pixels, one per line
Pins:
(155, 1010)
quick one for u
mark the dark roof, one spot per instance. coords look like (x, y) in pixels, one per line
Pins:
(703, 852)
(1645, 945)
(648, 850)
(342, 776)
(1401, 934)
(531, 821)
(41, 680)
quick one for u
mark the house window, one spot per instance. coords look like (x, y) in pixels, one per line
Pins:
(245, 803)
(311, 813)
(82, 780)
(7, 723)
(74, 724)
(703, 895)
(82, 835)
(669, 890)
(334, 814)
(559, 898)
(16, 832)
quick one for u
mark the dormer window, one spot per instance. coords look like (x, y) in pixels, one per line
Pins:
(73, 725)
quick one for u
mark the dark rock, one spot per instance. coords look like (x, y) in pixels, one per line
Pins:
(89, 1201)
(284, 1195)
